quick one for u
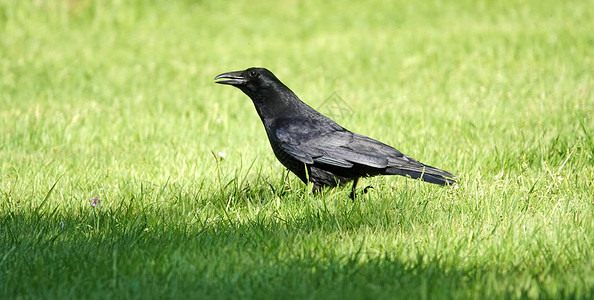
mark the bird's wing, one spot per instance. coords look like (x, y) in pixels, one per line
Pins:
(361, 150)
(340, 148)
(296, 153)
(355, 149)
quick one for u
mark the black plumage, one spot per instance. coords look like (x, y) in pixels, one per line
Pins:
(316, 148)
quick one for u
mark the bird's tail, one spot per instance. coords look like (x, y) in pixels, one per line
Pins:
(428, 174)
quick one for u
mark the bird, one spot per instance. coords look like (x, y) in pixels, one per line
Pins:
(314, 147)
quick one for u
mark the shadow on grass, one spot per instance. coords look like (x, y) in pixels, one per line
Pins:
(146, 254)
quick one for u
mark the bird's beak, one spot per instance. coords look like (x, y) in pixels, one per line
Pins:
(231, 78)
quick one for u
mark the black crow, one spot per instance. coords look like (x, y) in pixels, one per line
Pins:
(314, 147)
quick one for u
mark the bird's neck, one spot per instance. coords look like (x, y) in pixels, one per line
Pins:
(279, 104)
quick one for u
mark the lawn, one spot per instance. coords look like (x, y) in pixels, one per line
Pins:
(126, 173)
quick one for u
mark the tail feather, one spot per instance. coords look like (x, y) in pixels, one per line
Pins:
(429, 174)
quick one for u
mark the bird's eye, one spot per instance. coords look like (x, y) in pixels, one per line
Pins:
(253, 74)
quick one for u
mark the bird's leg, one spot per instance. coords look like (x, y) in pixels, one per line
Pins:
(315, 189)
(353, 188)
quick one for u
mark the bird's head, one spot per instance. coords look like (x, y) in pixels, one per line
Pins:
(250, 81)
(270, 96)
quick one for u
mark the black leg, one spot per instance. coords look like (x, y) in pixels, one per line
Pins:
(366, 189)
(315, 189)
(353, 188)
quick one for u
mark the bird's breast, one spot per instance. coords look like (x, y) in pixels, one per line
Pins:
(292, 164)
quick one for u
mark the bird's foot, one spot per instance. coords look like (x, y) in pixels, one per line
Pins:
(365, 190)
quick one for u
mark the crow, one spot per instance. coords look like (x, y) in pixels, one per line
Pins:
(314, 147)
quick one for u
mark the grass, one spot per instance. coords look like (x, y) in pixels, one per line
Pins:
(115, 99)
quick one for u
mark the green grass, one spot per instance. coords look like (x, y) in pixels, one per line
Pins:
(115, 99)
